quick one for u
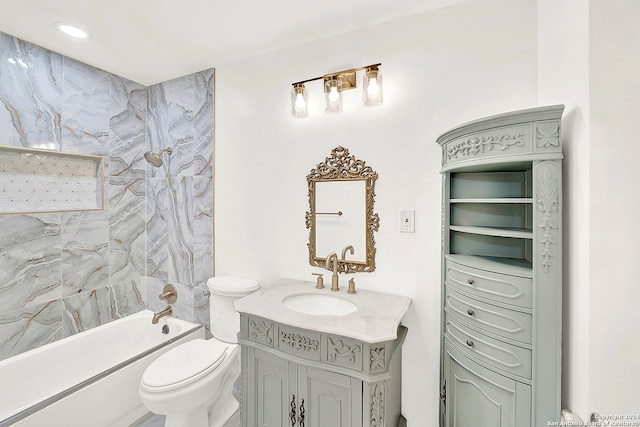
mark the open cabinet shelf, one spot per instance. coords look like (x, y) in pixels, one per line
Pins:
(517, 233)
(509, 200)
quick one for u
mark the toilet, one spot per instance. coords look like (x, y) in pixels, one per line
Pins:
(192, 383)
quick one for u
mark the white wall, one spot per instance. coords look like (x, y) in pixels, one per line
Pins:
(588, 60)
(563, 78)
(440, 69)
(614, 232)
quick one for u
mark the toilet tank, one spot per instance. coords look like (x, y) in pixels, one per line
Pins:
(225, 321)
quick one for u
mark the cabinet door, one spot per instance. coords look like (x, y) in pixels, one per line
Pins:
(272, 385)
(330, 399)
(476, 396)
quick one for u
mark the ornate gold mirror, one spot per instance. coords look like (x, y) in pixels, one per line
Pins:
(340, 217)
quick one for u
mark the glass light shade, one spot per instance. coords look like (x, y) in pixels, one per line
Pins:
(333, 96)
(372, 87)
(299, 104)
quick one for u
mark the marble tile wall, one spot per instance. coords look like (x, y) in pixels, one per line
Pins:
(63, 273)
(179, 202)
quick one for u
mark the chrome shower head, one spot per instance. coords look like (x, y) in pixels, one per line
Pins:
(155, 159)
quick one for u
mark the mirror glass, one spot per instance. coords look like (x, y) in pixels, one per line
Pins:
(340, 219)
(340, 216)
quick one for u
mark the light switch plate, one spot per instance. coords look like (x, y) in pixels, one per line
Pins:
(407, 220)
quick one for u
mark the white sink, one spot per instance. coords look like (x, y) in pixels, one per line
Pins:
(319, 304)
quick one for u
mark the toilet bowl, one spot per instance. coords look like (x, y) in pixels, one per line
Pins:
(192, 384)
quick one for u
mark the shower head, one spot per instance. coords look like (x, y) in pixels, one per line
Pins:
(155, 159)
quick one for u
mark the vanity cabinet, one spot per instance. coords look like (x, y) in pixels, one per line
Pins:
(295, 377)
(282, 390)
(502, 270)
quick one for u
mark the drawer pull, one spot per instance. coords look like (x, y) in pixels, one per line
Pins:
(470, 281)
(470, 312)
(470, 343)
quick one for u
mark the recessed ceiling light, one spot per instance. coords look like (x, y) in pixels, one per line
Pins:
(72, 30)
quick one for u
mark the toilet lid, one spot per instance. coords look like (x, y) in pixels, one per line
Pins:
(231, 286)
(185, 363)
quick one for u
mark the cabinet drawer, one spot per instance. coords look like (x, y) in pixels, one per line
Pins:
(493, 286)
(509, 358)
(488, 317)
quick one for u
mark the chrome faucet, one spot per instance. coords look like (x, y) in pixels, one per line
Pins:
(333, 257)
(157, 316)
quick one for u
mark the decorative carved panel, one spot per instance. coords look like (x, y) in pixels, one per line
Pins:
(347, 354)
(481, 144)
(299, 342)
(261, 331)
(377, 359)
(547, 203)
(548, 134)
(377, 405)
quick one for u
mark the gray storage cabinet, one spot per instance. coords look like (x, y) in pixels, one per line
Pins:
(294, 377)
(502, 270)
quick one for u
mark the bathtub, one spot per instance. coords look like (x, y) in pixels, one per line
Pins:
(88, 379)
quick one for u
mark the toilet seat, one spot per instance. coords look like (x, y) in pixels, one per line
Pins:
(184, 365)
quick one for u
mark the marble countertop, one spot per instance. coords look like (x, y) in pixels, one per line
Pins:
(376, 320)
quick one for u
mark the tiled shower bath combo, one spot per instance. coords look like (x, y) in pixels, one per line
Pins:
(65, 270)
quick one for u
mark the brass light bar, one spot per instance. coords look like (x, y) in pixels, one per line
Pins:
(336, 83)
(348, 77)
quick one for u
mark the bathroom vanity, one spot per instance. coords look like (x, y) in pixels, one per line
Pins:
(309, 365)
(502, 270)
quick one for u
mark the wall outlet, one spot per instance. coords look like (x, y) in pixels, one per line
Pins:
(407, 220)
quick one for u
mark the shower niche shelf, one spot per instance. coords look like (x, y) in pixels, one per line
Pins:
(36, 181)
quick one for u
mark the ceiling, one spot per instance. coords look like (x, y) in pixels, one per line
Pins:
(150, 41)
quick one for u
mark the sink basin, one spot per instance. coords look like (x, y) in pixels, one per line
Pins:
(319, 305)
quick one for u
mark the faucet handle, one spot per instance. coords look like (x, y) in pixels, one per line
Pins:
(352, 286)
(319, 280)
(169, 294)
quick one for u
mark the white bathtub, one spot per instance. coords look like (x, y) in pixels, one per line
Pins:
(88, 379)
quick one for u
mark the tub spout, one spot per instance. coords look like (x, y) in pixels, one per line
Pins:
(166, 312)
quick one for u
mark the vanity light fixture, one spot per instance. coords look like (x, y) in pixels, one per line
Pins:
(71, 30)
(334, 85)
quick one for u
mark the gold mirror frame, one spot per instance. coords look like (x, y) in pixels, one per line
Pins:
(343, 167)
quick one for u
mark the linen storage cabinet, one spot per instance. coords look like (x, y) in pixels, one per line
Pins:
(502, 270)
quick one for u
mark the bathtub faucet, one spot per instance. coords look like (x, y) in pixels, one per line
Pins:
(166, 312)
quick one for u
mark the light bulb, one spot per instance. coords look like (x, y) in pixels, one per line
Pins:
(333, 94)
(299, 104)
(373, 88)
